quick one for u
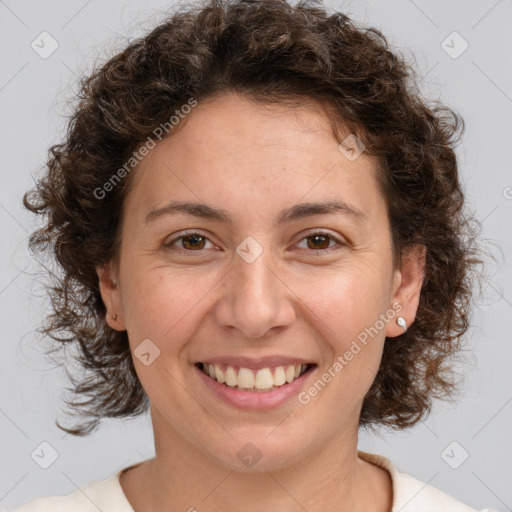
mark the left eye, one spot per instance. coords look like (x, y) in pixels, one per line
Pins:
(319, 241)
(195, 242)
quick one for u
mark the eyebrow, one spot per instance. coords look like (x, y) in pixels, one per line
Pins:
(296, 212)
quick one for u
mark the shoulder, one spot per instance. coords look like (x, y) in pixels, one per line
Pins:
(415, 496)
(105, 495)
(412, 495)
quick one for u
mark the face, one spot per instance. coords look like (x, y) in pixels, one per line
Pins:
(258, 279)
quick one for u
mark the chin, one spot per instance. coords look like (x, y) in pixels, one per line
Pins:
(257, 454)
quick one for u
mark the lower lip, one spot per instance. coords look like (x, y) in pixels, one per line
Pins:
(256, 400)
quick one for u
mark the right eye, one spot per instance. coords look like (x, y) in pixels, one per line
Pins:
(191, 241)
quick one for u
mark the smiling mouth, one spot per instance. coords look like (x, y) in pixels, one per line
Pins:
(261, 380)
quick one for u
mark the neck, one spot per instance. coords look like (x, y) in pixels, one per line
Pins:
(183, 477)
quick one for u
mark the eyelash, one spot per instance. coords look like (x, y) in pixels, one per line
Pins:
(318, 252)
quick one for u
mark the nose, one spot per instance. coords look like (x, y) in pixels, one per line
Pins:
(255, 299)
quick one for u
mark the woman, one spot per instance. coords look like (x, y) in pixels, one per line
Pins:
(262, 236)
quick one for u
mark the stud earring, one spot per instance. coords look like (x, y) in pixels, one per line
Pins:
(114, 316)
(402, 323)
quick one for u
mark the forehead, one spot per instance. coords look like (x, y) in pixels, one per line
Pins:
(232, 151)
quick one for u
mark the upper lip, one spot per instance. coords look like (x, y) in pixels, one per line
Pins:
(256, 362)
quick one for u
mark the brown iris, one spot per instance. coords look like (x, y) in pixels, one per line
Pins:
(324, 240)
(193, 242)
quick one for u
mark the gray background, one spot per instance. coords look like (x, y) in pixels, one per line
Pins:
(33, 92)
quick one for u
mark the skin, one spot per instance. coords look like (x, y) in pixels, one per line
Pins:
(255, 161)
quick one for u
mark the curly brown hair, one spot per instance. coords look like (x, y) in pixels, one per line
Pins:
(270, 52)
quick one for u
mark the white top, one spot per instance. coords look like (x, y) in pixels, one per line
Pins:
(409, 495)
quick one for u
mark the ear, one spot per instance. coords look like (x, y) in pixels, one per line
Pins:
(111, 295)
(408, 280)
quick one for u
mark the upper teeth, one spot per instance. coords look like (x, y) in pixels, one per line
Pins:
(252, 379)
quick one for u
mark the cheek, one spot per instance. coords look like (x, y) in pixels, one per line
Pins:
(347, 308)
(160, 304)
(353, 338)
(346, 302)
